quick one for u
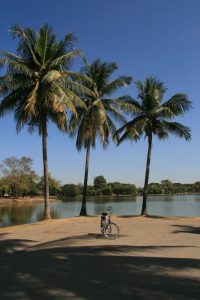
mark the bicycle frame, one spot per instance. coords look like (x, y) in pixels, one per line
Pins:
(105, 219)
(109, 229)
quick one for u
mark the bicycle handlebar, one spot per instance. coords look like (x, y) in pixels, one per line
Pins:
(109, 208)
(108, 211)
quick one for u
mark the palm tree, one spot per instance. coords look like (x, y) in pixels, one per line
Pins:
(152, 117)
(98, 121)
(38, 86)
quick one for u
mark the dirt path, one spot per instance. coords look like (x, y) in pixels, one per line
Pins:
(154, 258)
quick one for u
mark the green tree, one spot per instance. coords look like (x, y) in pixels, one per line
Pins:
(123, 188)
(54, 185)
(154, 188)
(98, 121)
(167, 186)
(99, 182)
(107, 190)
(38, 85)
(18, 176)
(4, 187)
(179, 188)
(189, 187)
(197, 186)
(70, 190)
(153, 117)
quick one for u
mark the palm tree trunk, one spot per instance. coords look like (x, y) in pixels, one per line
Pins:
(144, 203)
(47, 214)
(83, 211)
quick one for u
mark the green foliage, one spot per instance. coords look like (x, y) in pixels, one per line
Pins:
(123, 188)
(70, 190)
(90, 190)
(154, 188)
(152, 116)
(99, 182)
(4, 187)
(197, 186)
(167, 186)
(179, 188)
(98, 120)
(106, 190)
(54, 185)
(18, 177)
(38, 86)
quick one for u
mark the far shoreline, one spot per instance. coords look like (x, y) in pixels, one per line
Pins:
(26, 200)
(40, 199)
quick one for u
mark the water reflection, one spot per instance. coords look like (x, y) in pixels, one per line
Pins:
(178, 205)
(15, 214)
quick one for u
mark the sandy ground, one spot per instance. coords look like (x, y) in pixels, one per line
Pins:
(154, 258)
(25, 200)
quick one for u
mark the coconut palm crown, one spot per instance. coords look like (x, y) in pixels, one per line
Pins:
(38, 85)
(99, 120)
(152, 117)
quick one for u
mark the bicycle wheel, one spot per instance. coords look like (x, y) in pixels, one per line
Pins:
(103, 223)
(111, 231)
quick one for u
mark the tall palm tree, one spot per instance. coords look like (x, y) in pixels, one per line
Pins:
(152, 117)
(38, 86)
(98, 121)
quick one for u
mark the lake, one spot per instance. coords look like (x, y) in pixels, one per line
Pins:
(176, 205)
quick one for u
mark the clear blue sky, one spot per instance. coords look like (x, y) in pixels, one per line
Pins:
(145, 37)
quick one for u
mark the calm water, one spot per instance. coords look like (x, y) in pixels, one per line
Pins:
(179, 205)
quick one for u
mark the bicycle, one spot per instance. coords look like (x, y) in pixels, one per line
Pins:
(109, 229)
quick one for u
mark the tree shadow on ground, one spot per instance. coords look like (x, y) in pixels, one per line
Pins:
(145, 217)
(128, 216)
(12, 245)
(60, 270)
(186, 229)
(4, 233)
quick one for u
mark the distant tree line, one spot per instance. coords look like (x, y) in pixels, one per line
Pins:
(18, 179)
(167, 187)
(101, 187)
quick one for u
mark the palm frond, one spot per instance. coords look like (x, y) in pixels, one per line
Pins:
(46, 39)
(150, 92)
(178, 104)
(75, 121)
(54, 75)
(129, 105)
(65, 58)
(132, 124)
(98, 121)
(177, 129)
(114, 85)
(60, 119)
(10, 101)
(67, 44)
(131, 135)
(27, 39)
(31, 100)
(78, 88)
(115, 114)
(81, 78)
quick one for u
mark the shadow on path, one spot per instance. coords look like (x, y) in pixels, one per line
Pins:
(186, 229)
(60, 270)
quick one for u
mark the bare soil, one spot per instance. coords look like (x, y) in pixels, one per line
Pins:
(153, 258)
